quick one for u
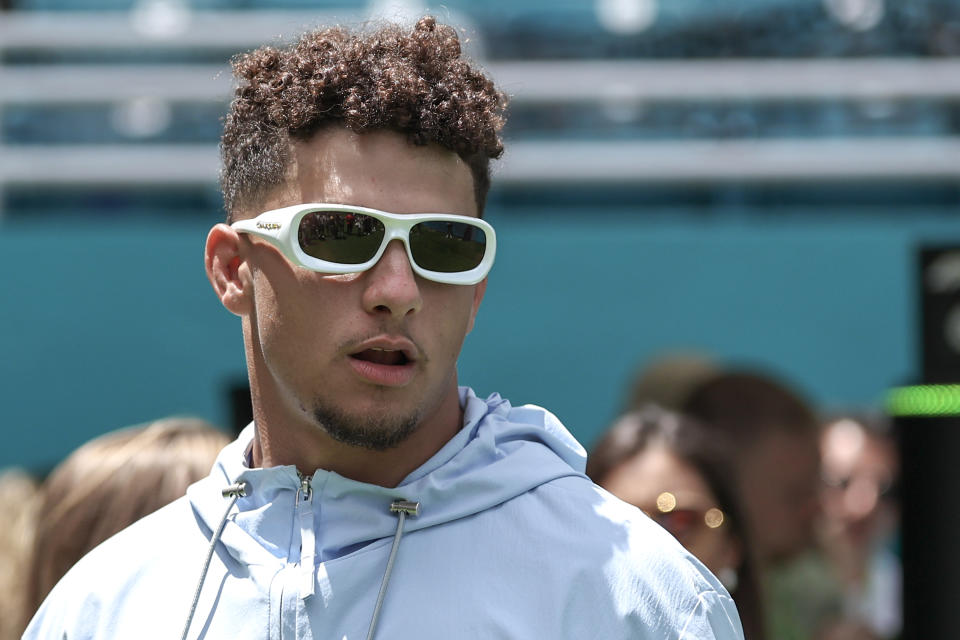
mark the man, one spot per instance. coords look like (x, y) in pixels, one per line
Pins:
(775, 436)
(774, 433)
(372, 496)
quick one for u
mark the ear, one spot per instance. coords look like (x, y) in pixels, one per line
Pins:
(479, 290)
(226, 269)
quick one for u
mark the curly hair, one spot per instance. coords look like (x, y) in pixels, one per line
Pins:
(415, 83)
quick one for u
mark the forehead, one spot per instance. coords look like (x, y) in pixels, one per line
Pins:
(380, 170)
(847, 446)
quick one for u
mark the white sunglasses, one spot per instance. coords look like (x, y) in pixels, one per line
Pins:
(337, 238)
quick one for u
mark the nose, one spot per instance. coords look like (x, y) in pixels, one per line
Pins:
(861, 497)
(391, 285)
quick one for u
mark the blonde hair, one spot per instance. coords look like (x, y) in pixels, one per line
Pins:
(111, 482)
(19, 499)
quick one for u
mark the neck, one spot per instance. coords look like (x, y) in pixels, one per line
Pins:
(283, 437)
(318, 451)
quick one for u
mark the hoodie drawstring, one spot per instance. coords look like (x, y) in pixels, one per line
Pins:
(403, 508)
(235, 492)
(308, 539)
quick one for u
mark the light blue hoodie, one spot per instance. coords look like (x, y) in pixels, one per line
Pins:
(511, 541)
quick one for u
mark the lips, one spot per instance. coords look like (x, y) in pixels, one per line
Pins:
(386, 362)
(377, 355)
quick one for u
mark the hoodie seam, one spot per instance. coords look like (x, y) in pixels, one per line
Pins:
(368, 548)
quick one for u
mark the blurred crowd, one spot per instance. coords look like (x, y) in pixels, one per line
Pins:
(794, 511)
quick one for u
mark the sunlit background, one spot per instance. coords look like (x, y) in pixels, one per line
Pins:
(751, 180)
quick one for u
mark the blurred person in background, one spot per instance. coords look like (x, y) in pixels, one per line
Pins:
(19, 500)
(860, 532)
(681, 475)
(774, 434)
(109, 483)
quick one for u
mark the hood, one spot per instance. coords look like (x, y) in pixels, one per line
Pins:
(500, 453)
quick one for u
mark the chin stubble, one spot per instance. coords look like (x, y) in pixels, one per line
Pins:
(373, 433)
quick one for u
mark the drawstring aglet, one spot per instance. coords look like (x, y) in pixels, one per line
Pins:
(405, 506)
(236, 490)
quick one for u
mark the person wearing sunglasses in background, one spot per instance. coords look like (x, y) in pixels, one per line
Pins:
(775, 432)
(373, 497)
(681, 475)
(860, 528)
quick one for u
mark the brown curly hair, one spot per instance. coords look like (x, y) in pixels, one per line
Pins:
(414, 83)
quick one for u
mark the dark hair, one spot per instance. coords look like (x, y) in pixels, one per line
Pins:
(707, 452)
(746, 404)
(414, 83)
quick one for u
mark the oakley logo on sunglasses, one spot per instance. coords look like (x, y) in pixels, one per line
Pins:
(335, 238)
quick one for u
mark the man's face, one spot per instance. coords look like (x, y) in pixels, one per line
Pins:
(366, 356)
(859, 469)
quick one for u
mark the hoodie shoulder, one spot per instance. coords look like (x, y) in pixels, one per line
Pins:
(627, 565)
(119, 578)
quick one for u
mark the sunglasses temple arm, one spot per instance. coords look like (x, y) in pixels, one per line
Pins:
(267, 231)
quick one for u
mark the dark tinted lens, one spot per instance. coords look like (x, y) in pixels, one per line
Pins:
(344, 238)
(448, 247)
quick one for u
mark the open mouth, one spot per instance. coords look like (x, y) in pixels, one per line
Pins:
(390, 357)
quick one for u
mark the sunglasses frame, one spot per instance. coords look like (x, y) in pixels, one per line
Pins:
(280, 227)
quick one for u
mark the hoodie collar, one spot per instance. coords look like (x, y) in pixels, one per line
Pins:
(499, 453)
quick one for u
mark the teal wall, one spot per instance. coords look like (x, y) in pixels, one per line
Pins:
(108, 323)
